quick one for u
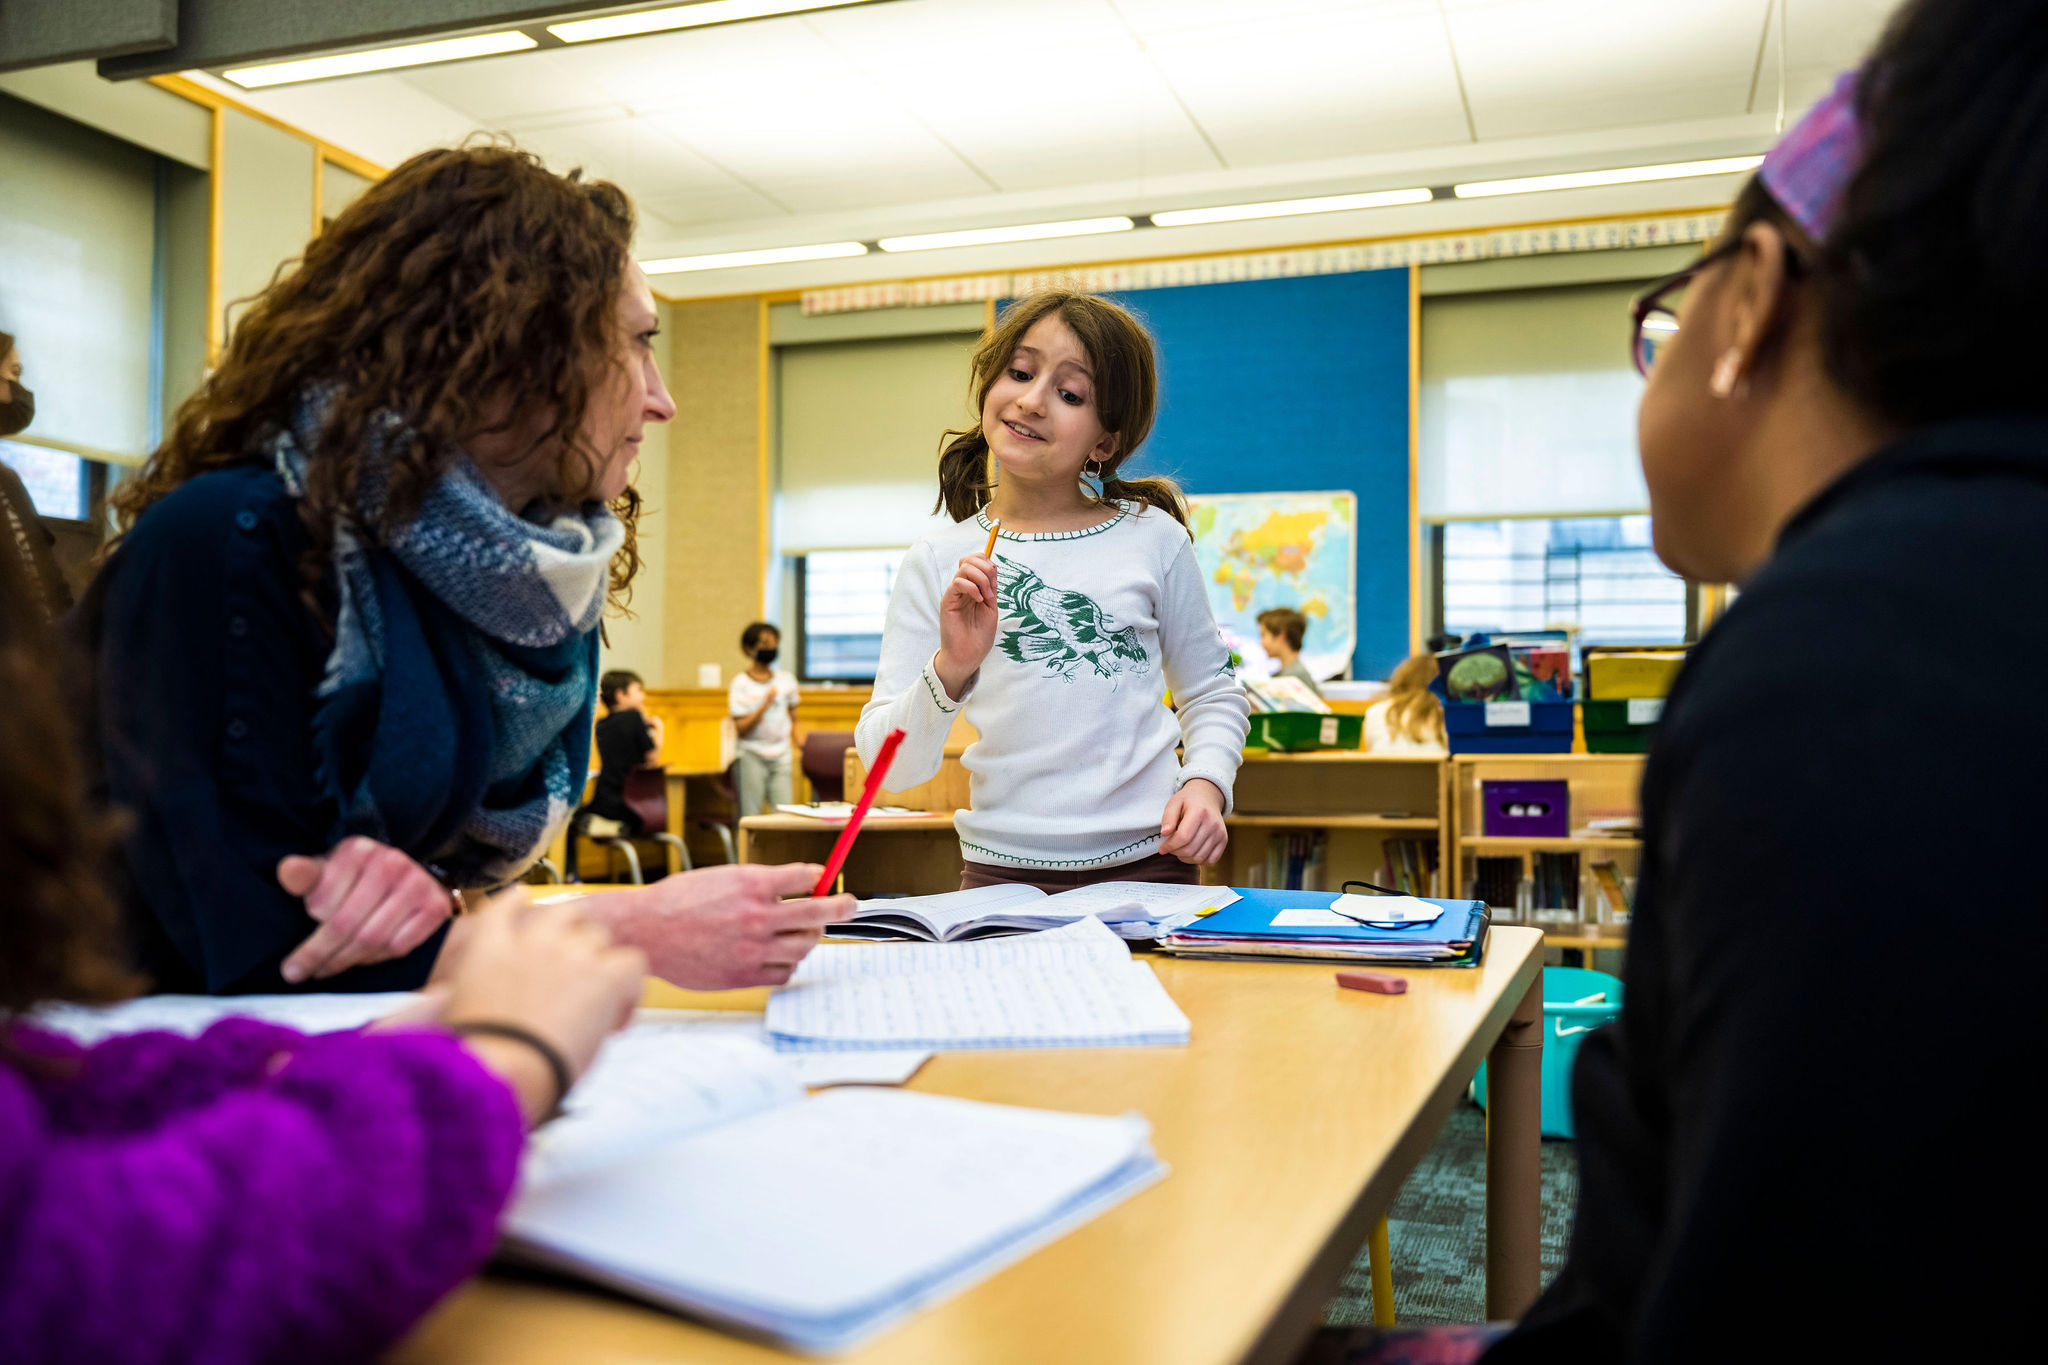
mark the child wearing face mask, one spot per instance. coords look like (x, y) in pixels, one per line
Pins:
(1060, 633)
(21, 532)
(763, 702)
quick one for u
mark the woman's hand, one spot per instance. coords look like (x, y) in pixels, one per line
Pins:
(967, 622)
(720, 928)
(373, 903)
(548, 969)
(1193, 830)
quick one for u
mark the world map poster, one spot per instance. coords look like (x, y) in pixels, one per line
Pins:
(1264, 550)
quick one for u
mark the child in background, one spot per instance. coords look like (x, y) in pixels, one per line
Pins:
(1061, 644)
(763, 702)
(627, 739)
(1281, 631)
(1409, 719)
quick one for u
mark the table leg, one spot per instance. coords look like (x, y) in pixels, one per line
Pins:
(1514, 1161)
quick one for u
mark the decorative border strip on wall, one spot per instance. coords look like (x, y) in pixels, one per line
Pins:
(1390, 254)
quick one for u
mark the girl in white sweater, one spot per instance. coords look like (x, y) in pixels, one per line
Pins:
(1061, 645)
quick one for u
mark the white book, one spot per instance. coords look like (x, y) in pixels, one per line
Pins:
(1075, 986)
(822, 1222)
(1134, 909)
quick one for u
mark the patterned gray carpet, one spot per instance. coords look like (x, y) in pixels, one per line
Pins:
(1437, 1230)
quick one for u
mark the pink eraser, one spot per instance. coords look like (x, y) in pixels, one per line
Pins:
(1374, 982)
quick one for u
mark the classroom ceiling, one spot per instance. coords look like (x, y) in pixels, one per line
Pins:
(926, 115)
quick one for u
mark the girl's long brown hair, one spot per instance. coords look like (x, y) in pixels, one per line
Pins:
(466, 277)
(1413, 712)
(1122, 356)
(57, 923)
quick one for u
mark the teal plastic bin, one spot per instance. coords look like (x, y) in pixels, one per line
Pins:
(1566, 1022)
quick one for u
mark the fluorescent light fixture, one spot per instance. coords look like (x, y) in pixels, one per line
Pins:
(1287, 208)
(684, 16)
(1627, 175)
(1029, 232)
(379, 59)
(775, 255)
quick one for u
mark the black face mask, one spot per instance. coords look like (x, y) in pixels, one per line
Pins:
(765, 657)
(17, 412)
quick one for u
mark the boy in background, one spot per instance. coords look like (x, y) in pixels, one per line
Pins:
(763, 702)
(1280, 635)
(627, 739)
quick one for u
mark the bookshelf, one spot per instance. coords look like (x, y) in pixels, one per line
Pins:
(1355, 801)
(1600, 785)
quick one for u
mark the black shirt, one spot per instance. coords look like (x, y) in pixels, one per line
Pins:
(623, 743)
(1803, 1137)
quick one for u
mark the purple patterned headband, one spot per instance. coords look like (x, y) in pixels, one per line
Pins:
(1811, 165)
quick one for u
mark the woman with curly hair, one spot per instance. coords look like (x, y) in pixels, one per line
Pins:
(345, 647)
(252, 1194)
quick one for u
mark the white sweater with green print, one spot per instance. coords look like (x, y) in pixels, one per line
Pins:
(1075, 760)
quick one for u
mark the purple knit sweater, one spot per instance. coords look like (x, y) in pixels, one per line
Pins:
(250, 1195)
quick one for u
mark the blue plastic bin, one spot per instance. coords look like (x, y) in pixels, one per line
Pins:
(1565, 1025)
(1549, 730)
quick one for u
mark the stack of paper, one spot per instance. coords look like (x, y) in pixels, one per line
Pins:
(1075, 986)
(1315, 924)
(824, 1221)
(1134, 910)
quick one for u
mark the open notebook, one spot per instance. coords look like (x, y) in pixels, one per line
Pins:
(690, 1169)
(1075, 986)
(1132, 909)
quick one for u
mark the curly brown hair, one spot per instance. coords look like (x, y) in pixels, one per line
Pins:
(465, 277)
(58, 925)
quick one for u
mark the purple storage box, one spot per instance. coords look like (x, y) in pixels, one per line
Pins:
(1527, 810)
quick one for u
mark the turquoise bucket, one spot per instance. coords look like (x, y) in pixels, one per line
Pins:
(1568, 1016)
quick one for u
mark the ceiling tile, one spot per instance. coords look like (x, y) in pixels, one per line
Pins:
(649, 163)
(825, 148)
(500, 91)
(1326, 84)
(1552, 66)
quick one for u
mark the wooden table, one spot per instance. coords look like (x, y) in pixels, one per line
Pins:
(1289, 1122)
(910, 855)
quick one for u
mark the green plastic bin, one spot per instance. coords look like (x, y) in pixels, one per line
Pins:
(1302, 730)
(1620, 727)
(1565, 1024)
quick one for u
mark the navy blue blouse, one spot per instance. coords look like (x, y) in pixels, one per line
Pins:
(204, 659)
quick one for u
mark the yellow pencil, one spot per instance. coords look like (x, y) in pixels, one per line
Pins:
(995, 529)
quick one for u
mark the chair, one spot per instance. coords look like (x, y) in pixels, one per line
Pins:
(647, 798)
(723, 823)
(824, 763)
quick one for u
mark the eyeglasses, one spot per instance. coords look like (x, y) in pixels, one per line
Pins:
(1655, 311)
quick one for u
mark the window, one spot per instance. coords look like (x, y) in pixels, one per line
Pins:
(1597, 575)
(58, 482)
(842, 600)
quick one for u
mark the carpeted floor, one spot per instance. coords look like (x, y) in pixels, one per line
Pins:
(1437, 1230)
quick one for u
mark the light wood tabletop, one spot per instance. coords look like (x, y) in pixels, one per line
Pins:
(1289, 1122)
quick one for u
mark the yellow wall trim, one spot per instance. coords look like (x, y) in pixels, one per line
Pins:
(215, 100)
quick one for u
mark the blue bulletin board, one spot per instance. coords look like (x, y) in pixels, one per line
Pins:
(1296, 385)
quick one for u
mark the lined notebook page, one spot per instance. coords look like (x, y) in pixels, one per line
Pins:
(1075, 986)
(824, 1221)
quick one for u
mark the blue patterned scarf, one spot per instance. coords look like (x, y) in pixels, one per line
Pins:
(467, 603)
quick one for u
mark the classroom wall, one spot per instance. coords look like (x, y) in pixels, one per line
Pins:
(1296, 385)
(715, 540)
(266, 202)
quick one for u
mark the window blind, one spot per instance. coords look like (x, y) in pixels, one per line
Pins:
(1528, 405)
(859, 425)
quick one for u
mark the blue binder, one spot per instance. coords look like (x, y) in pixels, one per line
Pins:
(1245, 928)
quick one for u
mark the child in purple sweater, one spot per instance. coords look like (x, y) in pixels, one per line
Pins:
(253, 1194)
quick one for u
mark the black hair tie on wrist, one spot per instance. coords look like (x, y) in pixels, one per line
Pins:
(558, 1065)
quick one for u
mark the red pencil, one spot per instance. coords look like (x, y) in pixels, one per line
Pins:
(844, 844)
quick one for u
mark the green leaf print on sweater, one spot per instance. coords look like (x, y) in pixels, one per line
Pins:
(1060, 629)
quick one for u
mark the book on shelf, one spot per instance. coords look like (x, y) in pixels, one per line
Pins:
(1497, 882)
(1556, 881)
(1409, 866)
(1297, 860)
